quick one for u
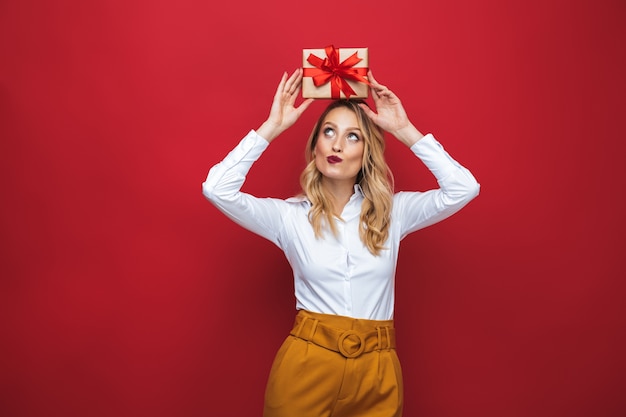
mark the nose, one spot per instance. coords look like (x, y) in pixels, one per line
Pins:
(337, 145)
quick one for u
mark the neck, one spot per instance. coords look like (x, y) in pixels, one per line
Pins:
(340, 193)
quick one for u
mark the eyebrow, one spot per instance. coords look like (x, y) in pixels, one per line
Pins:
(328, 122)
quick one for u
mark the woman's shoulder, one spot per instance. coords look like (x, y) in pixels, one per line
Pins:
(403, 198)
(298, 199)
(400, 195)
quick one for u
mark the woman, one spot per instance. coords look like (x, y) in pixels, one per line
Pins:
(341, 237)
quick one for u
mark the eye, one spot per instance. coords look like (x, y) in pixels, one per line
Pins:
(329, 132)
(353, 137)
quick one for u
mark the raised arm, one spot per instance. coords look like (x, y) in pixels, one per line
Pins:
(284, 113)
(224, 181)
(457, 184)
(390, 114)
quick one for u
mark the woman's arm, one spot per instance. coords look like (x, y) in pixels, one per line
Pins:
(223, 184)
(416, 210)
(390, 114)
(283, 113)
(222, 188)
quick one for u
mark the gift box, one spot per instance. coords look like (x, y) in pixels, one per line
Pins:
(335, 73)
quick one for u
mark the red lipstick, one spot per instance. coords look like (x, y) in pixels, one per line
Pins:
(334, 159)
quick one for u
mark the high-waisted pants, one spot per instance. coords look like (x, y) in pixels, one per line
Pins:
(336, 366)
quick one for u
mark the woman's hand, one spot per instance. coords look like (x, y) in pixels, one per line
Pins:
(283, 113)
(390, 114)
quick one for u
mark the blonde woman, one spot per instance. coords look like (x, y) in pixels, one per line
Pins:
(341, 237)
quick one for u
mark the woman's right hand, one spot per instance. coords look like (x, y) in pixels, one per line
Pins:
(283, 113)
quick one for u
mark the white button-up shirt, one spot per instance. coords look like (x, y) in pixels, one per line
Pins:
(338, 274)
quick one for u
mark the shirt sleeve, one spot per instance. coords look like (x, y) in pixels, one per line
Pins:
(223, 189)
(416, 210)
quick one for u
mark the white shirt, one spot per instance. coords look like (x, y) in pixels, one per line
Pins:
(338, 275)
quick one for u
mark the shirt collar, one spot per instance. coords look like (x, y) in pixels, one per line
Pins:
(352, 208)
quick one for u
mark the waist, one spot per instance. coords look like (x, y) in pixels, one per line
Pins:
(346, 335)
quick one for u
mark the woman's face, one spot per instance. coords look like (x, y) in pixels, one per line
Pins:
(339, 147)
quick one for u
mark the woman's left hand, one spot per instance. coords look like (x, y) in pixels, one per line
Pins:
(390, 114)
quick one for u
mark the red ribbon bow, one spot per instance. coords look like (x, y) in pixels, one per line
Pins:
(331, 70)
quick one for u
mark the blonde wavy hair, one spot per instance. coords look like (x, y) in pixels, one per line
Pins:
(375, 179)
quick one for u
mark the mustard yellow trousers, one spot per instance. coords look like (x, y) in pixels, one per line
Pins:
(336, 366)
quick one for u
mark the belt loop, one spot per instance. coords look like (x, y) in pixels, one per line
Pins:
(388, 337)
(313, 328)
(300, 326)
(379, 345)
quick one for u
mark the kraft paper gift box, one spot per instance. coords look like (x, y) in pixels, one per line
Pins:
(335, 73)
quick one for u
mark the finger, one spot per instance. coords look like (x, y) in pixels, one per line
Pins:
(304, 105)
(373, 81)
(375, 94)
(294, 89)
(369, 112)
(298, 88)
(281, 84)
(381, 89)
(295, 86)
(294, 81)
(370, 77)
(283, 81)
(385, 93)
(375, 87)
(378, 89)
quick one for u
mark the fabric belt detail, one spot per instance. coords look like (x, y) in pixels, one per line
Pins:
(350, 343)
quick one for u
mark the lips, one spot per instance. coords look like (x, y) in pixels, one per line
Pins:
(333, 159)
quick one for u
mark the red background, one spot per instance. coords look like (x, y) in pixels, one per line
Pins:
(125, 293)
